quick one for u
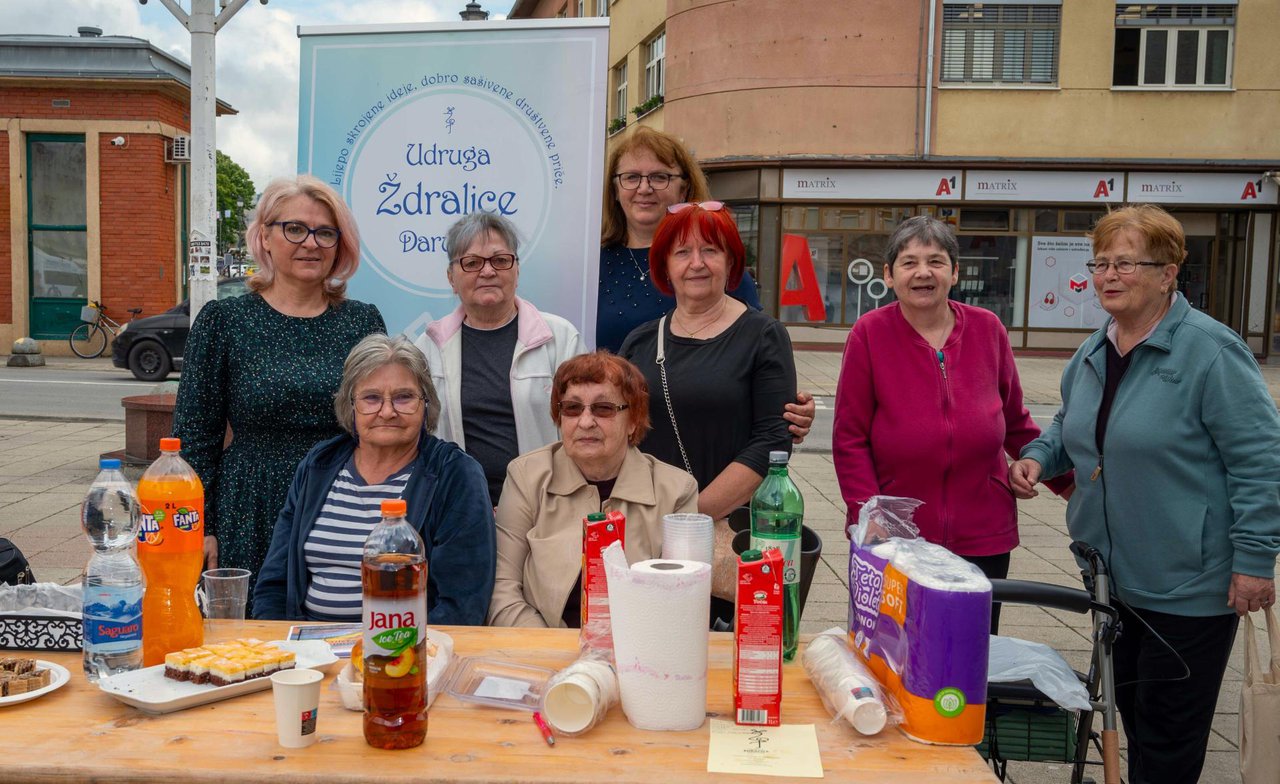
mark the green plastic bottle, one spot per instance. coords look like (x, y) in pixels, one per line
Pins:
(777, 517)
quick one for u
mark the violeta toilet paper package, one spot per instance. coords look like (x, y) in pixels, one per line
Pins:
(920, 618)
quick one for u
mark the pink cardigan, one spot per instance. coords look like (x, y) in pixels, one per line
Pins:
(910, 424)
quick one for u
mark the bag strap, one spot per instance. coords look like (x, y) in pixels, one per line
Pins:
(666, 392)
(1253, 661)
(1273, 631)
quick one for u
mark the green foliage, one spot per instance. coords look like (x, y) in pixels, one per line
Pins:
(617, 124)
(234, 185)
(647, 106)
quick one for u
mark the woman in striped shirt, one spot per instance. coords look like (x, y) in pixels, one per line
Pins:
(388, 406)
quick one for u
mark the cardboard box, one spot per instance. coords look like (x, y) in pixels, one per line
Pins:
(598, 532)
(757, 641)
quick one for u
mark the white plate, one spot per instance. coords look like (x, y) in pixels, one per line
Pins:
(58, 677)
(150, 692)
(352, 691)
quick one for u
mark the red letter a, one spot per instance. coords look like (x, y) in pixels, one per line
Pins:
(796, 255)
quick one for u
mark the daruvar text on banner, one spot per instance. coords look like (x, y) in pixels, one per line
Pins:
(417, 125)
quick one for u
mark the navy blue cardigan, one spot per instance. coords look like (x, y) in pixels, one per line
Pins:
(449, 505)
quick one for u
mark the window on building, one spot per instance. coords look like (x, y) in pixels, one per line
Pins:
(655, 55)
(602, 7)
(57, 232)
(997, 43)
(620, 90)
(582, 8)
(1174, 45)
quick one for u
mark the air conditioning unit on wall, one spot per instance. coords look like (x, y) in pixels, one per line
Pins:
(179, 149)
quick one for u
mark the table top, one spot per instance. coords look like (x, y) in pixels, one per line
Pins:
(80, 733)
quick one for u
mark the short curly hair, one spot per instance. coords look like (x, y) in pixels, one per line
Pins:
(371, 355)
(601, 367)
(1164, 235)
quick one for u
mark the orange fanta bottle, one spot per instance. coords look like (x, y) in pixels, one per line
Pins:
(171, 552)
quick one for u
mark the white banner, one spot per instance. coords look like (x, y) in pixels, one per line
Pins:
(1212, 188)
(929, 185)
(418, 125)
(1047, 186)
(1062, 294)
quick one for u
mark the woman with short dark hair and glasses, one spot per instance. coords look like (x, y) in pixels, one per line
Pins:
(493, 358)
(600, 404)
(388, 407)
(266, 365)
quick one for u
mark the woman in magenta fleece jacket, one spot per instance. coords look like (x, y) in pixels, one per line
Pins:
(929, 404)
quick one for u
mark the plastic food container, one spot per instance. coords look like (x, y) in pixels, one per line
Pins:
(501, 684)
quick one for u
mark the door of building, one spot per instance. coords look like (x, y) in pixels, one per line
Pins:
(1212, 277)
(57, 237)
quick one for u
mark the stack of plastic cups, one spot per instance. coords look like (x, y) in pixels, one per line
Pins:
(688, 536)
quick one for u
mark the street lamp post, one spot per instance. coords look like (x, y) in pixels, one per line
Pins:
(203, 22)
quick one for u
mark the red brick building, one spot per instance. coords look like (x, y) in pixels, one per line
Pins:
(92, 202)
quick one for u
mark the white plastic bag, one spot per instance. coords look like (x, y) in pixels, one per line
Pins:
(1012, 659)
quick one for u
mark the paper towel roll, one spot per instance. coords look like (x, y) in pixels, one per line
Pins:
(659, 611)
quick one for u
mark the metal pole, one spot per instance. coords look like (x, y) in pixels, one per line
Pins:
(203, 22)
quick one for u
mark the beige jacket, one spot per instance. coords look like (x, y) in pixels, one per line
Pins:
(540, 527)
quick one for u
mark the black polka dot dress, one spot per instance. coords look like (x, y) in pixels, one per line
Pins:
(272, 377)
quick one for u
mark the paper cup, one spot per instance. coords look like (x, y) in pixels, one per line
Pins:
(297, 698)
(570, 706)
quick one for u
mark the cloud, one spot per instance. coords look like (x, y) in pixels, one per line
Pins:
(257, 56)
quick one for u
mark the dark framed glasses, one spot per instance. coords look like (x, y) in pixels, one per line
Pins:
(659, 181)
(602, 410)
(708, 206)
(297, 233)
(500, 261)
(402, 402)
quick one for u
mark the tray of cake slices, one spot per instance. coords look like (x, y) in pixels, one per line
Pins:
(209, 673)
(23, 679)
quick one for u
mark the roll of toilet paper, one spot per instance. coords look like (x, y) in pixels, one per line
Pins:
(659, 610)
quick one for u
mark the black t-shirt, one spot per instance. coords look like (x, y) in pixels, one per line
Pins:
(727, 393)
(1117, 366)
(488, 422)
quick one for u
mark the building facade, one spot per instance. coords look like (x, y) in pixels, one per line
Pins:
(92, 200)
(825, 124)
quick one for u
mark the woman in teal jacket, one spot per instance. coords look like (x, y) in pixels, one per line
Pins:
(1175, 442)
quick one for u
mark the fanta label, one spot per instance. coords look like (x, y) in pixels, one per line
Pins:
(183, 515)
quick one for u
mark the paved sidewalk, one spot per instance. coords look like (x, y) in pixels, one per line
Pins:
(46, 467)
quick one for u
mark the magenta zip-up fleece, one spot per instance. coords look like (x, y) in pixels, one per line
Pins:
(912, 421)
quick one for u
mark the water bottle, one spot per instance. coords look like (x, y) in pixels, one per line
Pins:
(777, 518)
(113, 583)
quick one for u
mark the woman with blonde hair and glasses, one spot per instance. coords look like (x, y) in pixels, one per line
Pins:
(387, 407)
(267, 365)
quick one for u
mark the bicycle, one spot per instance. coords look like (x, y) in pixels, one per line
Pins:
(89, 339)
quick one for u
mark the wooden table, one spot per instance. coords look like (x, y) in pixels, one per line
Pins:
(80, 734)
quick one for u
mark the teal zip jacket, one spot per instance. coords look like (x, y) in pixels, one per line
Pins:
(1187, 490)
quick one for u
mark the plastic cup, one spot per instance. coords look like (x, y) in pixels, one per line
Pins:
(688, 536)
(297, 698)
(223, 593)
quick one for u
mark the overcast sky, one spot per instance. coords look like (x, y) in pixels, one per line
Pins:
(257, 56)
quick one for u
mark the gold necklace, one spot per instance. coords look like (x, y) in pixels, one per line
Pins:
(724, 302)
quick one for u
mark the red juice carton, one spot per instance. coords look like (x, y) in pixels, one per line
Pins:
(599, 530)
(757, 639)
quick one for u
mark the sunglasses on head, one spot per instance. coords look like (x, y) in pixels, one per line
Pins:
(707, 206)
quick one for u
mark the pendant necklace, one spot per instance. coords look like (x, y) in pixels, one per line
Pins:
(643, 275)
(724, 301)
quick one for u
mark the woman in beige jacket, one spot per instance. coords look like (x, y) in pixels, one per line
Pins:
(601, 404)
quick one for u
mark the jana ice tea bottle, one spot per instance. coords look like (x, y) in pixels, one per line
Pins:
(394, 576)
(171, 552)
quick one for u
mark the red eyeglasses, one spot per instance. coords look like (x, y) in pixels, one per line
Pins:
(708, 206)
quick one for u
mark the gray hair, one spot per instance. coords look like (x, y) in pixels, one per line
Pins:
(926, 230)
(477, 225)
(371, 355)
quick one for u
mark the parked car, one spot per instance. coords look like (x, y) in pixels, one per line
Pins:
(152, 347)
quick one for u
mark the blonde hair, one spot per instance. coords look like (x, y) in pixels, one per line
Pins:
(347, 258)
(665, 148)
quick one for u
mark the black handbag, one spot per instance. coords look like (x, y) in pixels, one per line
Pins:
(14, 568)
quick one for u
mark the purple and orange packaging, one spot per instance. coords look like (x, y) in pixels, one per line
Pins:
(599, 530)
(757, 639)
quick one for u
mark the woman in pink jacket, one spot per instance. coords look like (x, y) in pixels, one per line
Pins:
(929, 404)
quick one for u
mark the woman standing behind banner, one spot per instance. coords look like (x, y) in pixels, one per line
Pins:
(268, 364)
(647, 172)
(492, 360)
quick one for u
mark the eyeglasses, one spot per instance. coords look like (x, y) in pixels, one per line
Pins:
(297, 233)
(630, 181)
(501, 261)
(1123, 266)
(708, 206)
(402, 402)
(574, 409)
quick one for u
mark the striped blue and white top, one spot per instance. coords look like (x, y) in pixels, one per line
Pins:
(335, 546)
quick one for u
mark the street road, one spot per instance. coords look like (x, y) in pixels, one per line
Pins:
(54, 392)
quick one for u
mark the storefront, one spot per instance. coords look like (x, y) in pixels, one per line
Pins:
(1022, 243)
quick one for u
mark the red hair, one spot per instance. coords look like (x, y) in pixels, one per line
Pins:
(601, 367)
(715, 227)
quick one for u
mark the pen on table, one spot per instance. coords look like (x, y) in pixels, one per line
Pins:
(544, 729)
